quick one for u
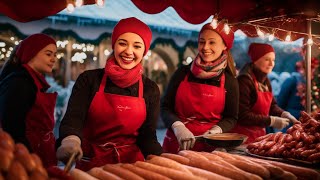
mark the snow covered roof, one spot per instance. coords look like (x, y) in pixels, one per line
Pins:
(114, 10)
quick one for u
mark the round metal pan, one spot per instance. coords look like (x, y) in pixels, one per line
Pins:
(223, 140)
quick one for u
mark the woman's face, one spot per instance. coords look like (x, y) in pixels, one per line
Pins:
(210, 45)
(266, 62)
(128, 50)
(44, 61)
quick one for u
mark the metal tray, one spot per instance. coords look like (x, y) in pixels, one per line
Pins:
(223, 139)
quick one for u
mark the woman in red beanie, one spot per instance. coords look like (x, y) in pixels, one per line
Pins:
(202, 98)
(112, 112)
(26, 110)
(257, 106)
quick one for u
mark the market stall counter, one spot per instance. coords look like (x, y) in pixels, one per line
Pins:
(199, 165)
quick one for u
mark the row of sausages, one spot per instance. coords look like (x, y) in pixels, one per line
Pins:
(301, 141)
(17, 163)
(198, 165)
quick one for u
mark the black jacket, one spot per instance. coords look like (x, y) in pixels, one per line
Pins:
(17, 96)
(248, 97)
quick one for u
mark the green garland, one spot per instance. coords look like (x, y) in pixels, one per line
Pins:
(64, 34)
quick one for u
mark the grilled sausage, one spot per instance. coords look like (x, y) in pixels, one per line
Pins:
(220, 169)
(6, 142)
(205, 174)
(6, 157)
(176, 157)
(121, 172)
(171, 173)
(16, 171)
(253, 168)
(300, 172)
(101, 174)
(162, 161)
(146, 174)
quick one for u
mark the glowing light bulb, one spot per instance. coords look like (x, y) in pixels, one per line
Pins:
(70, 7)
(226, 28)
(100, 3)
(310, 41)
(79, 3)
(271, 37)
(214, 23)
(288, 38)
(260, 33)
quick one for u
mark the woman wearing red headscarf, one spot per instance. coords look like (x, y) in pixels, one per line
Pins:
(257, 106)
(202, 98)
(26, 110)
(112, 112)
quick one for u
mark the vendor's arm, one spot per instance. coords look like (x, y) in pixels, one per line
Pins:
(247, 99)
(147, 138)
(82, 94)
(18, 94)
(230, 113)
(167, 106)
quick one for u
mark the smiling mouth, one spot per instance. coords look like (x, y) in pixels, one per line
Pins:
(127, 60)
(207, 53)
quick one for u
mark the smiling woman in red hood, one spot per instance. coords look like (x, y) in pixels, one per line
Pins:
(112, 112)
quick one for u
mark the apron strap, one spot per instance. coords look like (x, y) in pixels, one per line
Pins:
(113, 146)
(255, 81)
(186, 77)
(34, 77)
(103, 83)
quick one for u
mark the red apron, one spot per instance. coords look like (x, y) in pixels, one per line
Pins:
(111, 129)
(262, 106)
(40, 122)
(199, 107)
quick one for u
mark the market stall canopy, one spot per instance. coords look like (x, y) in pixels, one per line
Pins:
(273, 17)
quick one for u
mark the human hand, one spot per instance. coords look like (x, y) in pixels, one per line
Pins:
(69, 145)
(214, 130)
(184, 136)
(279, 122)
(292, 119)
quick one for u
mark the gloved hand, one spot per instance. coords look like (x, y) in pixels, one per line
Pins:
(184, 136)
(292, 119)
(214, 130)
(278, 122)
(69, 145)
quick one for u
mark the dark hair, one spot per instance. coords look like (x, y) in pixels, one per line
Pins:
(10, 65)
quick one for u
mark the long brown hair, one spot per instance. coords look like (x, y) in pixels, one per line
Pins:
(230, 63)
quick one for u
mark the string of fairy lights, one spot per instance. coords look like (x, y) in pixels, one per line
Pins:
(5, 50)
(80, 51)
(79, 55)
(72, 4)
(270, 34)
